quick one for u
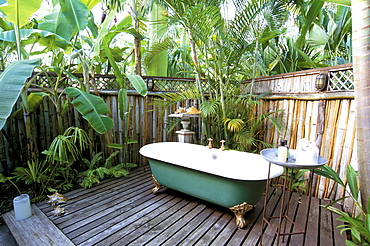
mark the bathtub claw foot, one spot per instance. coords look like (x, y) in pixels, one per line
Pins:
(157, 187)
(239, 211)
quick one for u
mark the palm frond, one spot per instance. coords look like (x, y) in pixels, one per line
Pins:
(233, 125)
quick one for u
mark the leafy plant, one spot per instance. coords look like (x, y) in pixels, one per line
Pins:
(12, 83)
(3, 179)
(63, 152)
(93, 109)
(68, 146)
(358, 226)
(34, 174)
(294, 178)
(99, 170)
(239, 125)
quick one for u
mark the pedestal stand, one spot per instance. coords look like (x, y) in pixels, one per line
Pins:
(281, 229)
(185, 135)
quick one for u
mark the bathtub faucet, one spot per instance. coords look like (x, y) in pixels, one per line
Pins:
(209, 146)
(222, 148)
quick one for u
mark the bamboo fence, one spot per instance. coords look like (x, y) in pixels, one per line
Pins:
(326, 117)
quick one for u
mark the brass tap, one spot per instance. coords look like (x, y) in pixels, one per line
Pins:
(222, 148)
(209, 146)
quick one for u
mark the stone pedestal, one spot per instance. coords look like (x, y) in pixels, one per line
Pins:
(185, 136)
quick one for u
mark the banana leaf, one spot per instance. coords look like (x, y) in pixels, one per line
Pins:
(41, 35)
(122, 99)
(76, 13)
(92, 108)
(19, 11)
(90, 3)
(138, 83)
(34, 100)
(340, 2)
(12, 81)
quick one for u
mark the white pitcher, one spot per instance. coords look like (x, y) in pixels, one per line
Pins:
(22, 207)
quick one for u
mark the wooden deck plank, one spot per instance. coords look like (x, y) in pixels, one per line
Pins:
(226, 233)
(105, 210)
(269, 236)
(325, 231)
(107, 229)
(108, 216)
(125, 212)
(180, 223)
(312, 234)
(151, 222)
(190, 227)
(254, 233)
(301, 220)
(36, 230)
(94, 199)
(251, 218)
(164, 229)
(339, 239)
(298, 219)
(140, 219)
(78, 194)
(231, 235)
(202, 229)
(215, 230)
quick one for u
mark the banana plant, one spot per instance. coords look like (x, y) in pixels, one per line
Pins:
(93, 109)
(13, 82)
(18, 12)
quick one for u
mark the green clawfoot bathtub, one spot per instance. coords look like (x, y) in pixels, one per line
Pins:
(231, 179)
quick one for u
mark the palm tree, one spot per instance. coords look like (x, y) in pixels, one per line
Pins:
(220, 51)
(361, 65)
(332, 34)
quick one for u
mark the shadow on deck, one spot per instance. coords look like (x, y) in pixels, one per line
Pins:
(125, 212)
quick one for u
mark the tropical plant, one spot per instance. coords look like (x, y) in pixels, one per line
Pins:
(97, 170)
(332, 34)
(4, 179)
(18, 12)
(218, 47)
(92, 108)
(14, 84)
(63, 152)
(241, 123)
(36, 175)
(68, 146)
(357, 225)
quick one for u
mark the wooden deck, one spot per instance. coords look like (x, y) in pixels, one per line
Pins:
(125, 212)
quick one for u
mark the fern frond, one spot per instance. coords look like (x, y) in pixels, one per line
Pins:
(108, 161)
(95, 160)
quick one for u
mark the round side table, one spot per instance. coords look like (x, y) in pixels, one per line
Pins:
(289, 166)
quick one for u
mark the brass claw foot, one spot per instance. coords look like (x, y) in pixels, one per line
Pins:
(239, 211)
(157, 187)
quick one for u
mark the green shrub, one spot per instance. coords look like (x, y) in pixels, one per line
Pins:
(98, 170)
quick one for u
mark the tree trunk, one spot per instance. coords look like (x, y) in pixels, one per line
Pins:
(361, 69)
(158, 65)
(137, 53)
(134, 13)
